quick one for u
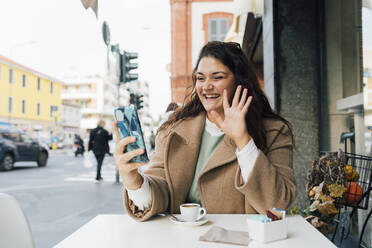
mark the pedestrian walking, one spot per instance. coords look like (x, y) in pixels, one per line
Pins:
(98, 143)
(79, 145)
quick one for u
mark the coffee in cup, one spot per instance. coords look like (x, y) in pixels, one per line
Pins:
(192, 212)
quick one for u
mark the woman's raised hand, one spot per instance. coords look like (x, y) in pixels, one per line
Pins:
(234, 124)
(132, 179)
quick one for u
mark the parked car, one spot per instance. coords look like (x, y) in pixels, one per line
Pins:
(16, 146)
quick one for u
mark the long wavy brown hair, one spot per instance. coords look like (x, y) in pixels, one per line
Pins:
(232, 56)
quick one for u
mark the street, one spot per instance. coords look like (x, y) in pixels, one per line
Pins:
(61, 197)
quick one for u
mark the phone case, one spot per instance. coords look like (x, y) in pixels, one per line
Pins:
(129, 125)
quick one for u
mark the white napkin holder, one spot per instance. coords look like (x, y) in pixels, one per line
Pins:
(267, 232)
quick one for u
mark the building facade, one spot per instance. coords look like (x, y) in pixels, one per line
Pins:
(70, 122)
(193, 24)
(97, 99)
(29, 100)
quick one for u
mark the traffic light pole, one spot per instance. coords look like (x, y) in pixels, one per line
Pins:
(125, 76)
(117, 181)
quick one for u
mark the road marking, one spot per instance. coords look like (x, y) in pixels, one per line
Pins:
(108, 173)
(28, 187)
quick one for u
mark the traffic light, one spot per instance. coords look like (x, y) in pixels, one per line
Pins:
(126, 66)
(133, 99)
(139, 101)
(136, 100)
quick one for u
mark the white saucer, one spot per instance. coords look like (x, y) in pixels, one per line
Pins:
(187, 223)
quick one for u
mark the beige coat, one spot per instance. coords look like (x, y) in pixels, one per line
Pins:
(271, 182)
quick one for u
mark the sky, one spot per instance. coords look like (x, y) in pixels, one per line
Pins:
(60, 38)
(367, 30)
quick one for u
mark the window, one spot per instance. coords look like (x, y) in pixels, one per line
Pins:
(10, 105)
(84, 104)
(10, 76)
(14, 136)
(23, 106)
(51, 87)
(24, 81)
(38, 84)
(25, 138)
(38, 109)
(51, 111)
(218, 28)
(84, 88)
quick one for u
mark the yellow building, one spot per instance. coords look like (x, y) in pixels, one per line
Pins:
(29, 99)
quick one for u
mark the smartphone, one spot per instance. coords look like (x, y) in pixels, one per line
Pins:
(129, 125)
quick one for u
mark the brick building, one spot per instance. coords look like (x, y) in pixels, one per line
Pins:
(193, 24)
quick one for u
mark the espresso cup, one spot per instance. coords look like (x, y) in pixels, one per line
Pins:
(192, 212)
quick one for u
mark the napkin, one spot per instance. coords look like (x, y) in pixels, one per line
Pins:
(222, 235)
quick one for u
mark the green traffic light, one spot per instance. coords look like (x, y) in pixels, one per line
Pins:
(139, 101)
(126, 65)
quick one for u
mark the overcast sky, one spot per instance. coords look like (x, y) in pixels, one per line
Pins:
(59, 37)
(367, 28)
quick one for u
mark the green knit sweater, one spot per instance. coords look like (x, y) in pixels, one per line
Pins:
(208, 146)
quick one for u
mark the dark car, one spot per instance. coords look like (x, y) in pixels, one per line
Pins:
(16, 146)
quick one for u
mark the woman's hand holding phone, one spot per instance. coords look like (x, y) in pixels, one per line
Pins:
(132, 179)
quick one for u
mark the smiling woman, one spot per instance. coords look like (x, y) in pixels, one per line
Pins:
(225, 149)
(212, 78)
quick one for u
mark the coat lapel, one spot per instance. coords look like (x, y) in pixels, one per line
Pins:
(182, 154)
(181, 157)
(225, 153)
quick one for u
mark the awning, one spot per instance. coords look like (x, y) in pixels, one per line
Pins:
(367, 4)
(242, 8)
(4, 123)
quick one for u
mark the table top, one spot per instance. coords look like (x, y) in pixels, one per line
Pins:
(116, 231)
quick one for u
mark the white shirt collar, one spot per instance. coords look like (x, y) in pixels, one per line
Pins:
(212, 128)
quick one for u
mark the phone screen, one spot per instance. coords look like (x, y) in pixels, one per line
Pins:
(129, 125)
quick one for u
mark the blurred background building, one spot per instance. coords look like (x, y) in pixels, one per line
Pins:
(141, 88)
(97, 99)
(29, 100)
(194, 23)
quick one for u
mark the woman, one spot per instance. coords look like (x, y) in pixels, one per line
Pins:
(225, 148)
